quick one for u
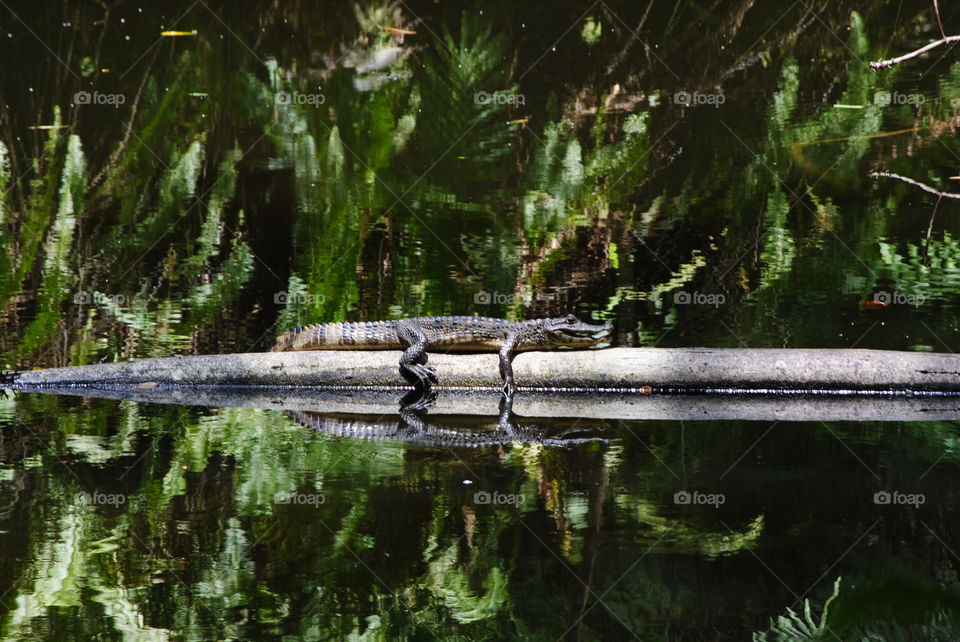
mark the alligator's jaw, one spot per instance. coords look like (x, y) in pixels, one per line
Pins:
(585, 335)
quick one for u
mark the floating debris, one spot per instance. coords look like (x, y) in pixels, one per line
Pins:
(399, 32)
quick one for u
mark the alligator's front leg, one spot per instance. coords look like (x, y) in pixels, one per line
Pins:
(413, 361)
(507, 352)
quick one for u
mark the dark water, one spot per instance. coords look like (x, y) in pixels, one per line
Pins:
(697, 174)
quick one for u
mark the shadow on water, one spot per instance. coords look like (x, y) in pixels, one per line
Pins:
(460, 431)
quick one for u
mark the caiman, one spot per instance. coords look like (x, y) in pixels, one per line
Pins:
(450, 334)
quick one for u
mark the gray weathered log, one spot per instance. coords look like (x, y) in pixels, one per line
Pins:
(752, 384)
(674, 369)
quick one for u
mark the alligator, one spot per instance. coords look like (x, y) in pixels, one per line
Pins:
(452, 334)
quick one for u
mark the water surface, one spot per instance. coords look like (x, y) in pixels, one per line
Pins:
(197, 178)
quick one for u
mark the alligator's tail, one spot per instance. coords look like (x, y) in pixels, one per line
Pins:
(372, 335)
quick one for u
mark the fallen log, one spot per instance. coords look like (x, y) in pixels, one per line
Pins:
(643, 370)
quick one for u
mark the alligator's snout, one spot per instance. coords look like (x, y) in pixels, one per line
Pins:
(572, 333)
(595, 330)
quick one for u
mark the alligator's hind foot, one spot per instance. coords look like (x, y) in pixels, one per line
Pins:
(7, 379)
(418, 374)
(417, 399)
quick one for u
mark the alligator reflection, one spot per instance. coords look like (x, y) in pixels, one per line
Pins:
(413, 424)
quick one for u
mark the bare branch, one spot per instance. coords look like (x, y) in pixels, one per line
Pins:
(936, 12)
(880, 64)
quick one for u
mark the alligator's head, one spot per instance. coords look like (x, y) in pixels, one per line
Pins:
(572, 332)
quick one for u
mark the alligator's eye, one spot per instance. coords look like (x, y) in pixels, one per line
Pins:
(571, 319)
